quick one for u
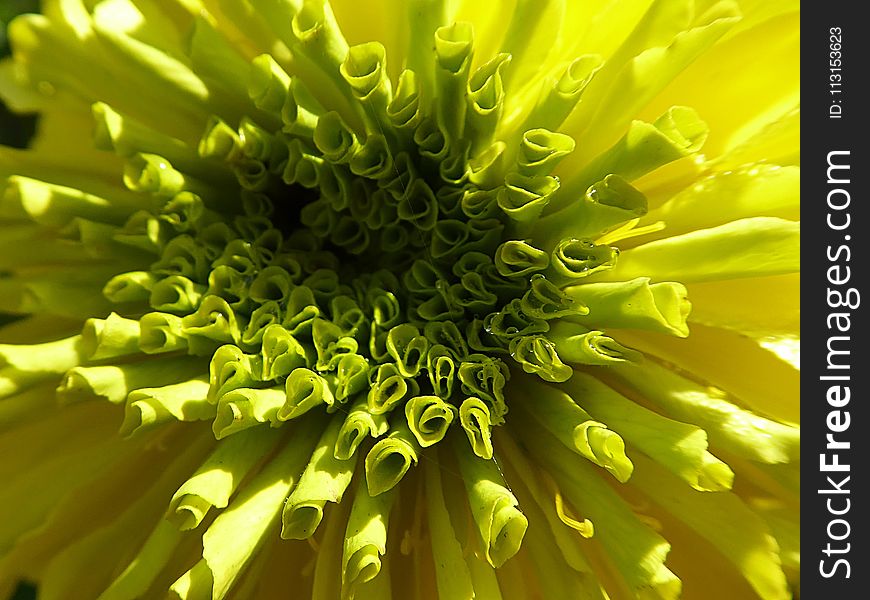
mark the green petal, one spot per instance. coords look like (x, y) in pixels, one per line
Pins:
(358, 425)
(126, 136)
(114, 382)
(242, 408)
(441, 365)
(605, 204)
(24, 366)
(231, 369)
(365, 70)
(305, 390)
(129, 287)
(268, 85)
(111, 337)
(215, 482)
(576, 429)
(390, 459)
(149, 407)
(516, 258)
(351, 376)
(428, 418)
(404, 111)
(544, 300)
(485, 97)
(524, 198)
(453, 49)
(500, 524)
(475, 420)
(176, 294)
(325, 479)
(389, 388)
(55, 205)
(301, 111)
(644, 148)
(331, 344)
(373, 159)
(541, 150)
(485, 378)
(637, 304)
(574, 259)
(408, 348)
(425, 17)
(335, 139)
(537, 354)
(234, 538)
(577, 344)
(486, 169)
(161, 332)
(559, 97)
(365, 539)
(679, 447)
(220, 141)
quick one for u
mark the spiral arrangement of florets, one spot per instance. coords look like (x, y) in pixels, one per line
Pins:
(390, 275)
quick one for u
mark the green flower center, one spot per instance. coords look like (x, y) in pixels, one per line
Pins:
(393, 261)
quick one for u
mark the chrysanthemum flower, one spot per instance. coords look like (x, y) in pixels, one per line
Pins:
(401, 299)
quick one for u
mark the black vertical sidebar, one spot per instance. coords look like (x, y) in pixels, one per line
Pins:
(835, 359)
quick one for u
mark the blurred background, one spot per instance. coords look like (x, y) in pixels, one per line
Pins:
(15, 130)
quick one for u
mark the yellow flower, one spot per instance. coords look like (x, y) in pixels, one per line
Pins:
(401, 299)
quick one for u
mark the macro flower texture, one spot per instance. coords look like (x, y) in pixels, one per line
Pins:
(410, 299)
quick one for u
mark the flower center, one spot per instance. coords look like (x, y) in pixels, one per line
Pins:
(396, 257)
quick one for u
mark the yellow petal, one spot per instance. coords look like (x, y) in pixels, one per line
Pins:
(566, 538)
(732, 429)
(725, 521)
(636, 552)
(752, 247)
(739, 109)
(104, 549)
(452, 573)
(755, 376)
(756, 306)
(751, 191)
(619, 92)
